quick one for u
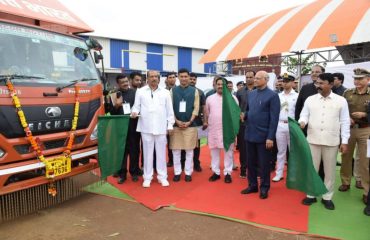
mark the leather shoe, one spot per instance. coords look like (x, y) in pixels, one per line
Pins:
(176, 178)
(328, 204)
(344, 188)
(367, 211)
(214, 177)
(197, 168)
(228, 178)
(249, 190)
(359, 185)
(188, 178)
(135, 178)
(121, 180)
(364, 199)
(308, 201)
(243, 175)
(263, 195)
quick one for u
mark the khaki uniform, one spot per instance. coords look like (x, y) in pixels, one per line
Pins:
(360, 132)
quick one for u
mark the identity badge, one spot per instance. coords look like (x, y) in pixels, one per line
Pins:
(126, 108)
(182, 107)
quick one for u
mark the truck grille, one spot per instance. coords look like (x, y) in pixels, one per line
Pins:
(26, 148)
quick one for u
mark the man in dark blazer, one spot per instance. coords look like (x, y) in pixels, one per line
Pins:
(262, 117)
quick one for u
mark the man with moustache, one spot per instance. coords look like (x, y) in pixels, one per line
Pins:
(156, 120)
(306, 91)
(327, 117)
(358, 99)
(213, 121)
(242, 96)
(124, 100)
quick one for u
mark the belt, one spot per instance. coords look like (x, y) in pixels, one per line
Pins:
(360, 125)
(283, 121)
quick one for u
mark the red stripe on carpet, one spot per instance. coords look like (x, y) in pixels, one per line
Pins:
(282, 209)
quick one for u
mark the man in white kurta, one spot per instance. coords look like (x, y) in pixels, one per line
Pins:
(327, 116)
(213, 120)
(156, 118)
(288, 98)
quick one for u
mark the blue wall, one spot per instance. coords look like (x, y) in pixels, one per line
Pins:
(154, 62)
(184, 58)
(116, 47)
(210, 67)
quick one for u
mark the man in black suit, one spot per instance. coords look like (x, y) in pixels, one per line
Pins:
(308, 90)
(304, 93)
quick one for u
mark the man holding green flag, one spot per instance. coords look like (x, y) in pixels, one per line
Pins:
(222, 116)
(327, 117)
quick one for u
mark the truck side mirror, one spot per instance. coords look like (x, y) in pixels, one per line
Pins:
(93, 44)
(97, 57)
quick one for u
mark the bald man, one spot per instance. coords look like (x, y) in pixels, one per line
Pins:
(262, 117)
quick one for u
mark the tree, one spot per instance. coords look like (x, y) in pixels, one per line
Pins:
(292, 63)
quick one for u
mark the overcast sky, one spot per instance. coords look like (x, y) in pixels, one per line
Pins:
(189, 23)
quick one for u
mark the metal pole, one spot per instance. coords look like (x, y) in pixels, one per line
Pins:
(299, 70)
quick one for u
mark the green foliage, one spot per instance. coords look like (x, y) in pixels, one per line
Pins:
(307, 62)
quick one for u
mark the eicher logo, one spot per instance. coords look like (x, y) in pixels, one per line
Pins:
(53, 112)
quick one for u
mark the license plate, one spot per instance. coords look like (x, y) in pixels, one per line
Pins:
(58, 166)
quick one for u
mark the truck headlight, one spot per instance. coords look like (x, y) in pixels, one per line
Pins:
(94, 134)
(2, 153)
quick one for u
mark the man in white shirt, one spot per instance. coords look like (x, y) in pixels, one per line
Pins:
(156, 119)
(327, 116)
(288, 98)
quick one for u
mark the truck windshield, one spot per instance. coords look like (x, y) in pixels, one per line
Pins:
(56, 59)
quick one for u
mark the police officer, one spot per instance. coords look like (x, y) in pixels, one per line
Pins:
(358, 99)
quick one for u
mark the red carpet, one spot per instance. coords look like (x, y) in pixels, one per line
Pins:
(282, 209)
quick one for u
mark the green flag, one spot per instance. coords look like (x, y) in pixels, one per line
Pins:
(230, 117)
(302, 175)
(112, 133)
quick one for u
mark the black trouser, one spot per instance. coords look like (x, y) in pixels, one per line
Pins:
(132, 149)
(242, 151)
(169, 151)
(196, 155)
(258, 157)
(274, 155)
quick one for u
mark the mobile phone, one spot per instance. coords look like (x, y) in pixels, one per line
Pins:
(119, 94)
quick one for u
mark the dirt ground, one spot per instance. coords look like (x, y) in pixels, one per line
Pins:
(95, 217)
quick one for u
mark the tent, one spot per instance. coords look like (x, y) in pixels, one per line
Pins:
(323, 23)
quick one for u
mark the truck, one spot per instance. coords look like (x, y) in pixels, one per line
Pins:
(50, 89)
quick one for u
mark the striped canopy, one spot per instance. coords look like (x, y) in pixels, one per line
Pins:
(319, 24)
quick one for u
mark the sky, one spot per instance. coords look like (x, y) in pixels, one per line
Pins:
(190, 23)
